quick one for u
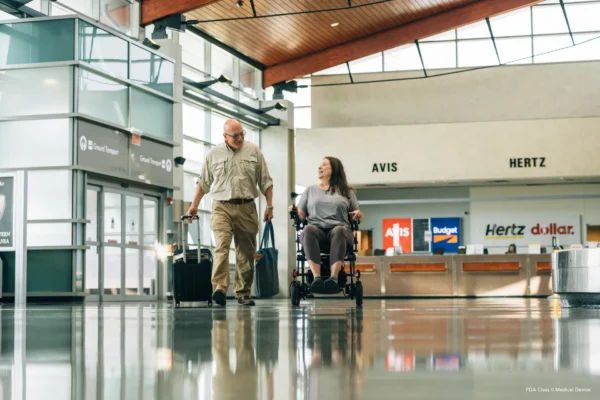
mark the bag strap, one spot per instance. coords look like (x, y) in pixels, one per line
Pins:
(268, 231)
(272, 232)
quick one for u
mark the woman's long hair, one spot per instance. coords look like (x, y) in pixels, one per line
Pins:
(338, 182)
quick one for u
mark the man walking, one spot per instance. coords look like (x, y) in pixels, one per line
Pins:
(235, 171)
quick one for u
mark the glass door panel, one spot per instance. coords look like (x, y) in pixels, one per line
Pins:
(91, 214)
(149, 279)
(92, 239)
(132, 220)
(150, 242)
(92, 272)
(150, 222)
(132, 271)
(112, 218)
(112, 270)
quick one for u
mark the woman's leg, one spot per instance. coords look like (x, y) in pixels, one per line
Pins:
(340, 238)
(311, 237)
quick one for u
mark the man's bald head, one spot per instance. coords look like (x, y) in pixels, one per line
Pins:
(233, 132)
(232, 126)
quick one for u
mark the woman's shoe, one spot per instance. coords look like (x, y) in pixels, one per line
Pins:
(318, 286)
(331, 285)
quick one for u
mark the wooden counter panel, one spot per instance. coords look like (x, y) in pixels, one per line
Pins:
(364, 267)
(543, 266)
(490, 266)
(416, 267)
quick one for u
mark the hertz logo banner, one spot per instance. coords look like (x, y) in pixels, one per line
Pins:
(445, 234)
(502, 230)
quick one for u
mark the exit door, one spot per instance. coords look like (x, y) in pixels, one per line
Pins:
(123, 238)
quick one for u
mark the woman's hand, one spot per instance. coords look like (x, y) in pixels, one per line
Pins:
(301, 213)
(357, 215)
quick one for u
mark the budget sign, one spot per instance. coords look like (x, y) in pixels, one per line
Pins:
(445, 234)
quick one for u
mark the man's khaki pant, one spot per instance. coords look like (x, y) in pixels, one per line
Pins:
(241, 382)
(240, 222)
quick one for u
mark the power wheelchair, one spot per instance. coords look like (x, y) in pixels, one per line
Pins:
(302, 279)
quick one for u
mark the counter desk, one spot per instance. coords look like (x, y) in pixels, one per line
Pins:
(456, 275)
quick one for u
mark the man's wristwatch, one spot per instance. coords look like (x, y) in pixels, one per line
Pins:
(269, 207)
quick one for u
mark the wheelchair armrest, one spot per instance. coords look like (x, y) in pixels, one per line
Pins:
(299, 224)
(353, 223)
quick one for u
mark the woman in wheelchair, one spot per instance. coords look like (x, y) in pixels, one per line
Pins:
(326, 208)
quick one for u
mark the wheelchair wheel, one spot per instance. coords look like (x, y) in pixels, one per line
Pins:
(359, 294)
(295, 293)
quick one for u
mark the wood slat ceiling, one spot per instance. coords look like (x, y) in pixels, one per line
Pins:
(272, 41)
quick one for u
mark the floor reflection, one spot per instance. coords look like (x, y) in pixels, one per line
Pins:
(486, 348)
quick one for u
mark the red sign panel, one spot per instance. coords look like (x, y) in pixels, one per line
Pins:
(397, 232)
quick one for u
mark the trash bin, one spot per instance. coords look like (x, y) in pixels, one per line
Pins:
(576, 276)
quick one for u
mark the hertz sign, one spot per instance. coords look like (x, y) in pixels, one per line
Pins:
(518, 231)
(523, 230)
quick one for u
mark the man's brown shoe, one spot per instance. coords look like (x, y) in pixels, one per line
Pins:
(246, 301)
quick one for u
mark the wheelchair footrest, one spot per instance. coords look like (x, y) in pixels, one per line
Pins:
(326, 291)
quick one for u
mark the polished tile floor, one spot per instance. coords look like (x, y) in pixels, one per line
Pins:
(326, 349)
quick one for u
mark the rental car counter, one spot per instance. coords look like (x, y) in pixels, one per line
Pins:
(456, 275)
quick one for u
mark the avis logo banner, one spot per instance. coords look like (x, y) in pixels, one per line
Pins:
(445, 234)
(398, 232)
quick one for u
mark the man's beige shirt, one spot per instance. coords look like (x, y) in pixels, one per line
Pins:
(229, 174)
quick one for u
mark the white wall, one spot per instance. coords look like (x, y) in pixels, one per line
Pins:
(462, 129)
(458, 152)
(494, 94)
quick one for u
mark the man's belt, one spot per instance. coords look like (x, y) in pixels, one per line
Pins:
(238, 201)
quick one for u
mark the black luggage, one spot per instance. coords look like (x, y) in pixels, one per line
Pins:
(192, 271)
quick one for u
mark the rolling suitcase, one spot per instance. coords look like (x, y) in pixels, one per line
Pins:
(192, 271)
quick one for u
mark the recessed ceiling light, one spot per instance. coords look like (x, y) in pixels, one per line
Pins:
(335, 24)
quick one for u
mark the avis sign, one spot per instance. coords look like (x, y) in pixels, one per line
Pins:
(398, 232)
(528, 230)
(6, 213)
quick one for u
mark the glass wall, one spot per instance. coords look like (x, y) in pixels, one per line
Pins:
(120, 15)
(36, 42)
(124, 102)
(117, 82)
(531, 35)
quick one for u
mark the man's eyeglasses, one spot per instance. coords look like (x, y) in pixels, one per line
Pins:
(237, 135)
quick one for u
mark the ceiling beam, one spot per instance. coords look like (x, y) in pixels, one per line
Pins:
(389, 39)
(157, 9)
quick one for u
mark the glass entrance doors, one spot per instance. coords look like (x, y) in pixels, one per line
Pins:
(121, 263)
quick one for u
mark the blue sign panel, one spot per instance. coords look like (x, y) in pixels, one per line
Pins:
(445, 234)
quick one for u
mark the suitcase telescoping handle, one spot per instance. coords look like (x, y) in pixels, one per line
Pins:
(184, 235)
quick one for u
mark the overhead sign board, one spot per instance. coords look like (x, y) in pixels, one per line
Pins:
(152, 161)
(7, 207)
(102, 148)
(111, 151)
